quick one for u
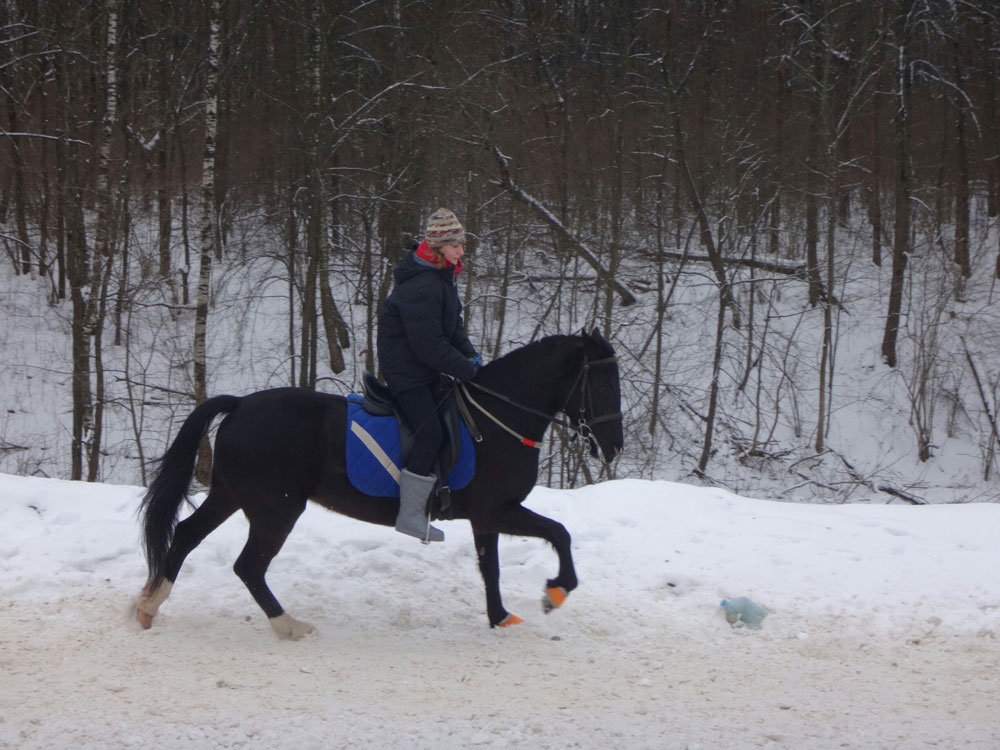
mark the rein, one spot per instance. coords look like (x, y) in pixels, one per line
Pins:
(582, 426)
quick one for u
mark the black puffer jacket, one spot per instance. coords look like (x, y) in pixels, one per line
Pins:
(420, 328)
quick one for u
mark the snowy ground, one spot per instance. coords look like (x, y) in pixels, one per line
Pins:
(883, 631)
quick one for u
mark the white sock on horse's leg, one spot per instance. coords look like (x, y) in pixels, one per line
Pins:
(288, 628)
(148, 606)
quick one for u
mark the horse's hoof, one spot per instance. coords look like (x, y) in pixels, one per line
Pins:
(145, 619)
(554, 598)
(287, 628)
(509, 620)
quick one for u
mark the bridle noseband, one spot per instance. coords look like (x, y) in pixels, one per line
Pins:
(582, 427)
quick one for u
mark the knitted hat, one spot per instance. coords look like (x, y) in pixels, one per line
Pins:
(444, 228)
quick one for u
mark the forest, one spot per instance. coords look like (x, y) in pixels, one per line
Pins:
(783, 215)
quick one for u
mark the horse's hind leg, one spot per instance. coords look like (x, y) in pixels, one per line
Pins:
(216, 508)
(268, 531)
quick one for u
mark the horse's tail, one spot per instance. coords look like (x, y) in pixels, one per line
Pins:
(158, 511)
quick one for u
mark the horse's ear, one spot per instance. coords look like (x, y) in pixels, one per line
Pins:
(596, 335)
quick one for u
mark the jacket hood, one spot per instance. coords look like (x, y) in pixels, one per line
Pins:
(411, 265)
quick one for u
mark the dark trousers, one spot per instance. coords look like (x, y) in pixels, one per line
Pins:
(419, 407)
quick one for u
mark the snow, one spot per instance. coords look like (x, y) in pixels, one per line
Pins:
(882, 630)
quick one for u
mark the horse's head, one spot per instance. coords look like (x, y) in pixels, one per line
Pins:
(594, 402)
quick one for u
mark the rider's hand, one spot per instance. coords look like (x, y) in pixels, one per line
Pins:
(477, 362)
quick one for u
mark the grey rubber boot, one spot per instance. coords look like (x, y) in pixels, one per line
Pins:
(414, 489)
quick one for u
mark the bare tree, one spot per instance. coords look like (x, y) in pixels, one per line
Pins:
(993, 441)
(338, 127)
(208, 220)
(902, 185)
(962, 176)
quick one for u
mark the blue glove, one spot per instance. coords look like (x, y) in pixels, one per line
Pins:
(477, 362)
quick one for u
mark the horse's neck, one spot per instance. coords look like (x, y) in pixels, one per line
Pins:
(534, 380)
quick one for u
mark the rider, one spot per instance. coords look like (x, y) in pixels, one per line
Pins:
(420, 336)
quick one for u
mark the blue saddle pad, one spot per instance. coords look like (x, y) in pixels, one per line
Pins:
(374, 453)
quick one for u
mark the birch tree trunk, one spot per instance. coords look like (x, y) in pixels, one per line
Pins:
(316, 221)
(103, 256)
(203, 470)
(164, 198)
(307, 343)
(104, 240)
(334, 327)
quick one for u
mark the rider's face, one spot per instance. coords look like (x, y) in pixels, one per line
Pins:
(452, 253)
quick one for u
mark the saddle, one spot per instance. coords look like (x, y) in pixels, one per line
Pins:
(378, 401)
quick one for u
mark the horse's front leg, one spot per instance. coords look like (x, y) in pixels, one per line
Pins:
(519, 521)
(489, 566)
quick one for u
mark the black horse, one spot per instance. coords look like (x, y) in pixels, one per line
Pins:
(278, 449)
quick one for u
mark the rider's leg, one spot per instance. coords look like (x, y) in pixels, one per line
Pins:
(417, 479)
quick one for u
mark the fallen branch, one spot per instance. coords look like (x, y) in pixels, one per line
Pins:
(911, 499)
(707, 239)
(627, 298)
(797, 270)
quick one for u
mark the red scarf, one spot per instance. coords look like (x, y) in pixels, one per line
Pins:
(425, 252)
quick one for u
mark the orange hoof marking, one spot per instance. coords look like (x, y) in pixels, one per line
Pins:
(556, 596)
(145, 619)
(510, 620)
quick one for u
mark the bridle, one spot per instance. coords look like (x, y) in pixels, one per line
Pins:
(582, 426)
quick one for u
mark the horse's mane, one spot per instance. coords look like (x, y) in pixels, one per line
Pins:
(533, 349)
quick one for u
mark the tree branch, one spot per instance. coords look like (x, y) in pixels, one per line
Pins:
(627, 298)
(982, 392)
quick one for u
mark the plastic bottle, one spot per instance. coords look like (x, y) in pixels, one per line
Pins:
(742, 611)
